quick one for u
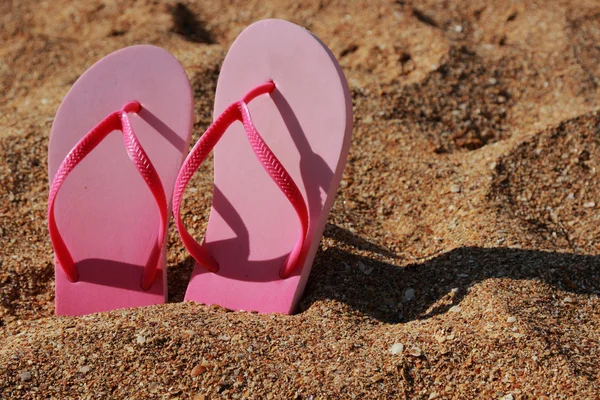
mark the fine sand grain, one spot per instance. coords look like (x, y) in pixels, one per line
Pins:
(461, 255)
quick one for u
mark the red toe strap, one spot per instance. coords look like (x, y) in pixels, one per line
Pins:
(117, 120)
(239, 112)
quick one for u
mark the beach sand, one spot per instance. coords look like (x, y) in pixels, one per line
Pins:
(461, 255)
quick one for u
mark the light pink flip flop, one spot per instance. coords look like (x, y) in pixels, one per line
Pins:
(115, 149)
(271, 198)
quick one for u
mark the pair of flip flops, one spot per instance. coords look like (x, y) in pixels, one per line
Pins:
(117, 162)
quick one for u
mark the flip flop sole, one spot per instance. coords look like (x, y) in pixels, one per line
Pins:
(104, 210)
(307, 122)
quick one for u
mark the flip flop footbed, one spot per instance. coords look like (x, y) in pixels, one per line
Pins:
(307, 123)
(105, 212)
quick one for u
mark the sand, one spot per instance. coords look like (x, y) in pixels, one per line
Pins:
(461, 256)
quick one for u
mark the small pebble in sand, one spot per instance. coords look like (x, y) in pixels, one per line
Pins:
(397, 348)
(589, 204)
(85, 369)
(140, 339)
(368, 119)
(198, 370)
(364, 268)
(455, 309)
(507, 397)
(25, 376)
(454, 188)
(409, 294)
(511, 320)
(415, 351)
(568, 299)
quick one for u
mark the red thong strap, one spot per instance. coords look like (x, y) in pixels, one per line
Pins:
(238, 111)
(117, 120)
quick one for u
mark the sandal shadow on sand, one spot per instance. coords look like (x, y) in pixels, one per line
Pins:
(281, 136)
(116, 146)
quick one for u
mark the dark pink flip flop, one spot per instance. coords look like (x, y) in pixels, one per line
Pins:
(276, 172)
(115, 149)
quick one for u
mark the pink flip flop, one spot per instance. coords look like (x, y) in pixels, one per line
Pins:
(115, 149)
(271, 198)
